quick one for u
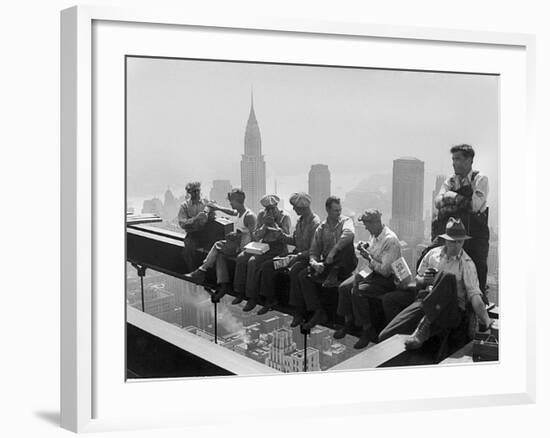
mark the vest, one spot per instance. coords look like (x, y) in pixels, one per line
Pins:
(476, 223)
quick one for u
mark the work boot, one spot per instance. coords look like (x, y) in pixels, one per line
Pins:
(197, 276)
(267, 307)
(343, 331)
(222, 290)
(249, 305)
(365, 339)
(332, 278)
(419, 336)
(319, 317)
(238, 299)
(297, 320)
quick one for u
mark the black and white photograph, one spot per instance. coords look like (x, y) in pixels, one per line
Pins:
(287, 218)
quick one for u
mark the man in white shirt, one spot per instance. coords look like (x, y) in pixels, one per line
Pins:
(355, 293)
(449, 277)
(464, 195)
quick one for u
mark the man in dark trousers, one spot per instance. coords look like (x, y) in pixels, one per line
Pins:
(449, 278)
(355, 293)
(463, 195)
(192, 217)
(331, 258)
(301, 239)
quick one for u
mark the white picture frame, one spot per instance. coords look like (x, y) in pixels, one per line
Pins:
(87, 376)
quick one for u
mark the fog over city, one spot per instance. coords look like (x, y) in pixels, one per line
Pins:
(186, 121)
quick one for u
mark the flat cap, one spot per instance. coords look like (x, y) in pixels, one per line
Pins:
(300, 199)
(370, 214)
(268, 200)
(194, 185)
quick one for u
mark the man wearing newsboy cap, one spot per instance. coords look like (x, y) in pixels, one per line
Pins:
(450, 280)
(299, 259)
(356, 293)
(271, 225)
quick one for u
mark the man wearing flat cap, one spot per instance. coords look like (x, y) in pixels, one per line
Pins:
(355, 294)
(450, 280)
(192, 217)
(271, 225)
(301, 238)
(244, 225)
(331, 258)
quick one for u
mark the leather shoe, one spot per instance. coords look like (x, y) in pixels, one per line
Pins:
(222, 290)
(197, 276)
(364, 340)
(342, 331)
(319, 317)
(266, 308)
(249, 305)
(237, 300)
(419, 336)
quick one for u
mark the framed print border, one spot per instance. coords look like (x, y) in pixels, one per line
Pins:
(79, 200)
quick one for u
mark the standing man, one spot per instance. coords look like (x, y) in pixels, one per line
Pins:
(245, 223)
(464, 196)
(354, 294)
(192, 217)
(449, 277)
(272, 224)
(331, 258)
(299, 259)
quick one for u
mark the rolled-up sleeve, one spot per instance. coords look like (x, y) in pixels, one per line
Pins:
(316, 245)
(183, 217)
(480, 192)
(347, 235)
(471, 283)
(390, 253)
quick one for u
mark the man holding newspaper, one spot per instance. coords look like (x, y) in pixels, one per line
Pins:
(354, 294)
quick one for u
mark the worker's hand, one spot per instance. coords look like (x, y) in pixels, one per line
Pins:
(269, 220)
(429, 276)
(318, 267)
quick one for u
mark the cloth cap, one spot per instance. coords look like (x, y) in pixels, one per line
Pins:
(371, 214)
(269, 200)
(455, 230)
(300, 199)
(192, 186)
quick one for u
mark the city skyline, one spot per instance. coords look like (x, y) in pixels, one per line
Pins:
(374, 117)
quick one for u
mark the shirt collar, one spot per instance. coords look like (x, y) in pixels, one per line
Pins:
(457, 257)
(468, 177)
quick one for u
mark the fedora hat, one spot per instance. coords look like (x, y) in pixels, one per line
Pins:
(455, 230)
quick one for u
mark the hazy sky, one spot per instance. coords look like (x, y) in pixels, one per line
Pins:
(187, 119)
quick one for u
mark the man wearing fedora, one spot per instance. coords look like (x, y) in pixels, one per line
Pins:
(355, 293)
(449, 278)
(463, 195)
(192, 217)
(271, 225)
(301, 238)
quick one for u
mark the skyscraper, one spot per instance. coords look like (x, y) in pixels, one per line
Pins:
(252, 163)
(319, 187)
(408, 200)
(439, 180)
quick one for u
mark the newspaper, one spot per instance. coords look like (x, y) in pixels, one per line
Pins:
(401, 270)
